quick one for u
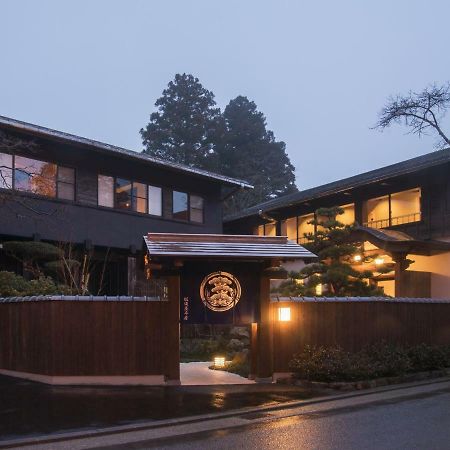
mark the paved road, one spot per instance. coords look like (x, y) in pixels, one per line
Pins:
(420, 421)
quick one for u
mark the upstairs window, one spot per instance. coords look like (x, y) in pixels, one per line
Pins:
(6, 171)
(196, 208)
(123, 196)
(155, 200)
(105, 191)
(37, 177)
(180, 205)
(139, 197)
(66, 183)
(393, 209)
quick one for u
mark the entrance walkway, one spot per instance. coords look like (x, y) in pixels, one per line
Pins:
(198, 373)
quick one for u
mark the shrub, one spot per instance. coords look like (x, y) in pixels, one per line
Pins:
(380, 360)
(12, 285)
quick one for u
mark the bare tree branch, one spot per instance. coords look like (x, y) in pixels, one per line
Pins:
(420, 111)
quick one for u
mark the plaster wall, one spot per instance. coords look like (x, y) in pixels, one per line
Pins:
(439, 266)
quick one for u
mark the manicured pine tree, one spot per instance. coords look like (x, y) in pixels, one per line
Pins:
(335, 269)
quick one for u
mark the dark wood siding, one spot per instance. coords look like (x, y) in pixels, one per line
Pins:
(354, 325)
(92, 338)
(86, 187)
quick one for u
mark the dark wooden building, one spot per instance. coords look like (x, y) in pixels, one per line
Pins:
(102, 199)
(402, 212)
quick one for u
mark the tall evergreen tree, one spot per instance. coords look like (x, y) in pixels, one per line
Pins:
(187, 126)
(252, 153)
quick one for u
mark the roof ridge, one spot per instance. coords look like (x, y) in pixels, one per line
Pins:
(50, 132)
(409, 165)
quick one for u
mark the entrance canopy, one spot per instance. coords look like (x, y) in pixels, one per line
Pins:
(223, 246)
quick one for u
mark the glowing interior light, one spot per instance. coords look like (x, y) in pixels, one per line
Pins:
(357, 258)
(379, 261)
(219, 362)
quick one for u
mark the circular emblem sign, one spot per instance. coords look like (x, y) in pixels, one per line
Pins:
(220, 291)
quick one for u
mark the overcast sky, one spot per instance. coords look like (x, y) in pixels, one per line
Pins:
(319, 70)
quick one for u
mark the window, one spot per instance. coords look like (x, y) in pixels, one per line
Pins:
(66, 183)
(180, 205)
(405, 207)
(196, 207)
(393, 209)
(139, 197)
(38, 177)
(6, 171)
(123, 197)
(155, 200)
(105, 191)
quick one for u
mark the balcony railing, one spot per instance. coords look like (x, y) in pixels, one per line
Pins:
(393, 221)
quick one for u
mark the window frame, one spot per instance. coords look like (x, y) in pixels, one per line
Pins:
(64, 182)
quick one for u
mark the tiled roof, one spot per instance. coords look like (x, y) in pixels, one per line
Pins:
(374, 176)
(223, 246)
(18, 125)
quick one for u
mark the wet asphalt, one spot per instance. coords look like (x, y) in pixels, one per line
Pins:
(32, 409)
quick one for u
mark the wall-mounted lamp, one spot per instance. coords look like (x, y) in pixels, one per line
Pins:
(284, 314)
(219, 362)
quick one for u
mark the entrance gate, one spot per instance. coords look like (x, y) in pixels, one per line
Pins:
(225, 279)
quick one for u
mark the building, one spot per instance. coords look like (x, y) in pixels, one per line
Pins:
(151, 230)
(101, 199)
(402, 212)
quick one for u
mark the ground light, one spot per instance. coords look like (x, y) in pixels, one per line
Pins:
(284, 314)
(219, 362)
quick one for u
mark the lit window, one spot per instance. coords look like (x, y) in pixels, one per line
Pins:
(139, 199)
(105, 191)
(122, 193)
(38, 177)
(66, 183)
(155, 200)
(196, 206)
(180, 205)
(6, 170)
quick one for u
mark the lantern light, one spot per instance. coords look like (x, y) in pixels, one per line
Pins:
(357, 258)
(219, 362)
(284, 314)
(379, 261)
(319, 289)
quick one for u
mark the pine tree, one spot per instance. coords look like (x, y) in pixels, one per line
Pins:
(187, 127)
(335, 269)
(252, 153)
